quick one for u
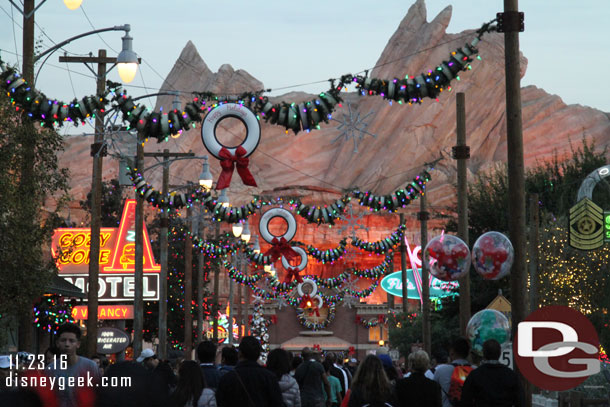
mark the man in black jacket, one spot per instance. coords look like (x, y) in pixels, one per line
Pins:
(206, 353)
(492, 384)
(249, 384)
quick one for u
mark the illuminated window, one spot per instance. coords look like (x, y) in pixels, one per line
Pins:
(379, 333)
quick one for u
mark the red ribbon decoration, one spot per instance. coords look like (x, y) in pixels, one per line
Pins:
(273, 319)
(293, 273)
(316, 347)
(228, 163)
(281, 248)
(351, 350)
(314, 310)
(304, 301)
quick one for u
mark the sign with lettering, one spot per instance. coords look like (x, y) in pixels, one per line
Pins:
(111, 340)
(70, 246)
(104, 312)
(118, 287)
(392, 284)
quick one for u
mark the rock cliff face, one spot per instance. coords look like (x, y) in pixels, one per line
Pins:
(407, 136)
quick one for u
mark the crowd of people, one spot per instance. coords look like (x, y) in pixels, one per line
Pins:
(311, 379)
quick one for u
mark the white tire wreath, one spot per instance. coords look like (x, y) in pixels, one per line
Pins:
(285, 214)
(314, 287)
(319, 300)
(303, 262)
(214, 117)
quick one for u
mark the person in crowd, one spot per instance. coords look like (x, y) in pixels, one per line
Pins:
(206, 353)
(296, 361)
(50, 354)
(492, 383)
(338, 372)
(352, 366)
(133, 386)
(249, 384)
(278, 361)
(312, 380)
(370, 386)
(458, 352)
(163, 369)
(191, 390)
(69, 364)
(388, 367)
(335, 396)
(5, 370)
(228, 360)
(439, 357)
(417, 390)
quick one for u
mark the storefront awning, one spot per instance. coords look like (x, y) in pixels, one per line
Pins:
(60, 286)
(325, 343)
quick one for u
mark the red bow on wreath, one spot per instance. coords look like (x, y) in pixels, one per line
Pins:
(358, 319)
(316, 347)
(292, 273)
(228, 163)
(273, 319)
(351, 350)
(306, 302)
(381, 318)
(280, 248)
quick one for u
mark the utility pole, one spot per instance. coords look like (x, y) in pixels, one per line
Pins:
(216, 284)
(533, 249)
(461, 152)
(26, 185)
(231, 311)
(166, 155)
(425, 278)
(200, 278)
(403, 266)
(98, 151)
(510, 22)
(138, 302)
(243, 267)
(188, 287)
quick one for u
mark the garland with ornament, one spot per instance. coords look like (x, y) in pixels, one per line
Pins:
(304, 116)
(377, 271)
(383, 245)
(227, 248)
(326, 214)
(325, 256)
(303, 320)
(373, 322)
(51, 312)
(260, 328)
(240, 277)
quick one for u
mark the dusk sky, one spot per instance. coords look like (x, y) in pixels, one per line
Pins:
(287, 43)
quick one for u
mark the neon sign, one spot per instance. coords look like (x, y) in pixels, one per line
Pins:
(105, 312)
(117, 247)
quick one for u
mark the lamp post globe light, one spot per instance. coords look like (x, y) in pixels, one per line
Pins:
(73, 4)
(237, 228)
(205, 178)
(256, 247)
(127, 61)
(223, 198)
(245, 234)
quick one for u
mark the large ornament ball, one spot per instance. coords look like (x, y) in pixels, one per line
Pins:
(492, 256)
(448, 257)
(487, 324)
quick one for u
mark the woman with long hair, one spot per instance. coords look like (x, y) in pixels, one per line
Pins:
(370, 385)
(278, 362)
(191, 390)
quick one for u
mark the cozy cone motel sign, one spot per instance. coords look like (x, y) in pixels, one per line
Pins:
(117, 259)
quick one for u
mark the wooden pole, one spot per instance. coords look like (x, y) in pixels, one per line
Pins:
(162, 349)
(516, 173)
(200, 281)
(461, 154)
(425, 278)
(216, 288)
(533, 249)
(403, 267)
(138, 308)
(188, 287)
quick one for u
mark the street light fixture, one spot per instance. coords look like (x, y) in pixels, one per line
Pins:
(223, 198)
(237, 229)
(205, 178)
(267, 268)
(245, 234)
(256, 247)
(73, 4)
(127, 61)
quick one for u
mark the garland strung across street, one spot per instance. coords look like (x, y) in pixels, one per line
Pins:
(325, 256)
(304, 116)
(326, 214)
(377, 271)
(383, 245)
(240, 277)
